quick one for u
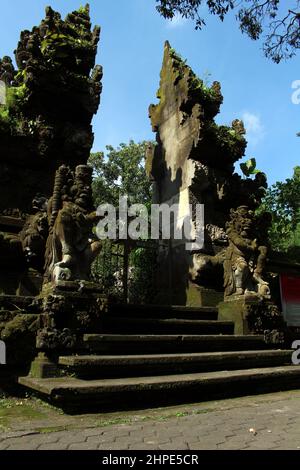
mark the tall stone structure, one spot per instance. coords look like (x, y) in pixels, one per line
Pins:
(193, 162)
(46, 109)
(46, 210)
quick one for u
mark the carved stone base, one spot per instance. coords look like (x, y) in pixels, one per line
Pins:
(198, 296)
(71, 287)
(235, 311)
(70, 309)
(42, 367)
(253, 316)
(51, 339)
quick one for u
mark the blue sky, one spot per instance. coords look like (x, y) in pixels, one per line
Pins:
(130, 51)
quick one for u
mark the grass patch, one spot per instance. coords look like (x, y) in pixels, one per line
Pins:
(50, 429)
(21, 408)
(206, 410)
(113, 421)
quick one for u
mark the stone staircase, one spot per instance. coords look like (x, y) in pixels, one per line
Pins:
(155, 355)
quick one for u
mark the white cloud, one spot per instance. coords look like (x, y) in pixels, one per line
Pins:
(254, 128)
(176, 22)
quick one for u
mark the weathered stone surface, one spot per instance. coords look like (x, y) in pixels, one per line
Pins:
(50, 102)
(167, 325)
(252, 316)
(128, 344)
(71, 245)
(44, 122)
(167, 388)
(42, 367)
(149, 364)
(19, 336)
(216, 425)
(245, 257)
(193, 162)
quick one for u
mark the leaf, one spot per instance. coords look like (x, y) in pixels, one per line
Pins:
(249, 167)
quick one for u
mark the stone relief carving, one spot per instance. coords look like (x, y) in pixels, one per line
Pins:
(71, 245)
(245, 257)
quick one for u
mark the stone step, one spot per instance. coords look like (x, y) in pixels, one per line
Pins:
(162, 311)
(134, 392)
(128, 344)
(96, 366)
(166, 325)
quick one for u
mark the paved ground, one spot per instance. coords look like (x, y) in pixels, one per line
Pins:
(263, 422)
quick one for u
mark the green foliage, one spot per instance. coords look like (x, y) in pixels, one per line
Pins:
(121, 172)
(277, 20)
(249, 167)
(58, 45)
(206, 93)
(4, 116)
(227, 143)
(142, 282)
(177, 57)
(83, 9)
(107, 269)
(282, 200)
(16, 96)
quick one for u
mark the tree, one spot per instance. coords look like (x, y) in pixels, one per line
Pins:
(283, 201)
(121, 171)
(279, 20)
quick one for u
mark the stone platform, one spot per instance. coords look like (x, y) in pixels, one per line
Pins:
(189, 355)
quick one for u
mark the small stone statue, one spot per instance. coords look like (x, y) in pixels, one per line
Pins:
(35, 232)
(7, 71)
(71, 247)
(245, 256)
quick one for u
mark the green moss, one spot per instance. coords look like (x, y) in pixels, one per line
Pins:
(15, 96)
(50, 429)
(21, 408)
(79, 29)
(20, 336)
(21, 76)
(4, 115)
(227, 138)
(6, 120)
(179, 63)
(57, 45)
(113, 421)
(83, 9)
(15, 99)
(209, 97)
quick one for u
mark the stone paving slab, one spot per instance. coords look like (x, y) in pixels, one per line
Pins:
(262, 422)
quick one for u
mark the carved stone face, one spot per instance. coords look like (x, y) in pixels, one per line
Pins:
(39, 203)
(243, 220)
(83, 181)
(83, 173)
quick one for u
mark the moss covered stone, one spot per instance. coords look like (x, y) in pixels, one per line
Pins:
(19, 336)
(51, 98)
